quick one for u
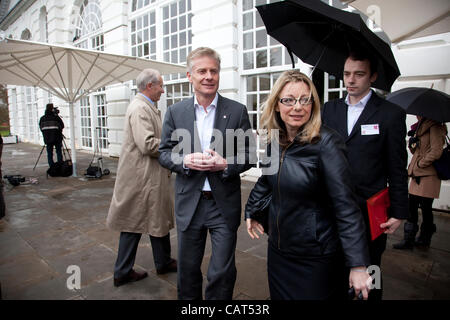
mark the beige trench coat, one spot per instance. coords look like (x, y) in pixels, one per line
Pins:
(431, 135)
(142, 201)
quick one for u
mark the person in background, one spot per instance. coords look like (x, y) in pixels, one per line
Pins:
(428, 137)
(142, 201)
(315, 224)
(374, 132)
(52, 126)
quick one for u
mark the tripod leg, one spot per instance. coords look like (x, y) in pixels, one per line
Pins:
(39, 157)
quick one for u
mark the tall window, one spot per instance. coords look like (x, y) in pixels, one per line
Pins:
(163, 32)
(139, 4)
(32, 116)
(263, 60)
(143, 36)
(93, 112)
(259, 49)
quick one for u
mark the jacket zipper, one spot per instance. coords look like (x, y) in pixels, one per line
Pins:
(279, 192)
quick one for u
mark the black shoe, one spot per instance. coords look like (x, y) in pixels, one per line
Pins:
(170, 267)
(410, 230)
(404, 244)
(132, 276)
(424, 238)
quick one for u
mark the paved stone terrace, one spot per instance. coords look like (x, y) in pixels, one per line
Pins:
(61, 222)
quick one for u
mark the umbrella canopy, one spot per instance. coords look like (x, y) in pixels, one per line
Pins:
(68, 72)
(418, 18)
(323, 36)
(425, 102)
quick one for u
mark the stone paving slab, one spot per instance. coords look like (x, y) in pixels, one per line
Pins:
(61, 222)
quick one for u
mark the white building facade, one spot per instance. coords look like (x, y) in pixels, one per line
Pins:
(167, 30)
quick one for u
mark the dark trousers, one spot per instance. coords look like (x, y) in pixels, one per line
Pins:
(222, 272)
(426, 204)
(128, 245)
(58, 147)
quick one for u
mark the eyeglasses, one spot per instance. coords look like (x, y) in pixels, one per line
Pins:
(290, 102)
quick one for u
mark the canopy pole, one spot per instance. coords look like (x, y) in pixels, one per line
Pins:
(72, 139)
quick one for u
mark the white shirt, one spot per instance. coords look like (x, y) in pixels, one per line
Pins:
(354, 110)
(205, 125)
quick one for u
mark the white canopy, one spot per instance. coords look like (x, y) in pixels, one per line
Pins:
(406, 19)
(69, 72)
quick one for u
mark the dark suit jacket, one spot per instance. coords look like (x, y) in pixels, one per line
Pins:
(379, 159)
(180, 137)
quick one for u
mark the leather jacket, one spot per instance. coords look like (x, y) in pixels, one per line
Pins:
(313, 211)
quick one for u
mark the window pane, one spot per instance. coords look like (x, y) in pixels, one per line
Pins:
(153, 47)
(258, 20)
(139, 23)
(260, 2)
(174, 41)
(248, 41)
(182, 38)
(253, 120)
(182, 6)
(332, 83)
(173, 9)
(261, 39)
(264, 82)
(166, 43)
(275, 57)
(252, 83)
(145, 35)
(247, 5)
(183, 55)
(261, 59)
(185, 87)
(166, 27)
(248, 60)
(248, 21)
(173, 25)
(145, 21)
(152, 17)
(166, 12)
(146, 49)
(182, 22)
(251, 102)
(174, 56)
(273, 41)
(152, 33)
(133, 25)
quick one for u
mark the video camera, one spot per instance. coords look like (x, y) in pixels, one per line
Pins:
(55, 110)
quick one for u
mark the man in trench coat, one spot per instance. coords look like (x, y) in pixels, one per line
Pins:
(142, 201)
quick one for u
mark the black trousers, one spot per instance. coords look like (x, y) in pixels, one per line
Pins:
(426, 204)
(128, 245)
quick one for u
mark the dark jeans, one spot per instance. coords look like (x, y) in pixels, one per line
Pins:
(58, 147)
(426, 204)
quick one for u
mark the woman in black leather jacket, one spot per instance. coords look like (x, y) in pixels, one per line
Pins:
(314, 223)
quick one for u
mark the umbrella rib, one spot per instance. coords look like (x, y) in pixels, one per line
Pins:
(31, 72)
(109, 73)
(85, 74)
(59, 71)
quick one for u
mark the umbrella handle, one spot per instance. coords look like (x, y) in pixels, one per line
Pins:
(292, 57)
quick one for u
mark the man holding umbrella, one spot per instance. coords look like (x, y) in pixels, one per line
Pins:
(374, 131)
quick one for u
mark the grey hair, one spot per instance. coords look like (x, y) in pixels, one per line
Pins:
(147, 76)
(201, 52)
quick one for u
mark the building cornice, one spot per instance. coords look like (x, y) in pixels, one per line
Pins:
(15, 13)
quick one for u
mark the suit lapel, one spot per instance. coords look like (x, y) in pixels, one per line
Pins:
(342, 119)
(222, 116)
(191, 126)
(370, 108)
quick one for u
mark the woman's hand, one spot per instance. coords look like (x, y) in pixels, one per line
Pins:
(252, 227)
(360, 280)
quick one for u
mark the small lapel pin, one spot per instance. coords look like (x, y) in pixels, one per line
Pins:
(225, 117)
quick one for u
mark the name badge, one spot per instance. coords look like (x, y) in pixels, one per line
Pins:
(370, 129)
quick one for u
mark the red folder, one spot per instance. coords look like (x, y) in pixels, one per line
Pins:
(377, 206)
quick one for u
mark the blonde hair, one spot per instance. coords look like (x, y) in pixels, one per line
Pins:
(270, 118)
(201, 52)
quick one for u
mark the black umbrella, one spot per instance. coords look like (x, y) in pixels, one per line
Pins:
(429, 103)
(323, 36)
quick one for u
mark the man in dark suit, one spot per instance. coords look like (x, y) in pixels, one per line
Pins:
(202, 142)
(374, 131)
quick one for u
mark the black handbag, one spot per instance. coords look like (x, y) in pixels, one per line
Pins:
(260, 212)
(442, 165)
